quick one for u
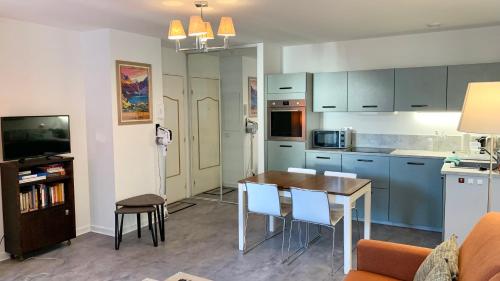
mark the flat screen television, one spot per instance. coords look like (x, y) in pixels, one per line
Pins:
(35, 136)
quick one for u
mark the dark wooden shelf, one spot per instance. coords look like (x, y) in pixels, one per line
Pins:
(47, 180)
(36, 229)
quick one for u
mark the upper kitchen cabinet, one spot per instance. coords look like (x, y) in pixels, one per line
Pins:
(460, 75)
(421, 89)
(286, 83)
(371, 90)
(330, 92)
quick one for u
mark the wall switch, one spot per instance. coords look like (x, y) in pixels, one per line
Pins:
(480, 181)
(470, 181)
(461, 180)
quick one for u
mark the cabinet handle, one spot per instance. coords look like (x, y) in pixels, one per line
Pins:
(286, 88)
(419, 105)
(415, 163)
(370, 106)
(322, 157)
(365, 160)
(329, 106)
(285, 145)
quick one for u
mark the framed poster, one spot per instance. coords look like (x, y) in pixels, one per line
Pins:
(133, 83)
(252, 97)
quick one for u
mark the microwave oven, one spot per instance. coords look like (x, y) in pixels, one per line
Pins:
(332, 138)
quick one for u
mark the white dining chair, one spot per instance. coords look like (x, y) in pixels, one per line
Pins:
(340, 206)
(312, 207)
(302, 171)
(264, 199)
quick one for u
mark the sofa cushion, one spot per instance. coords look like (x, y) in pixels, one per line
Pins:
(440, 272)
(367, 276)
(479, 258)
(448, 251)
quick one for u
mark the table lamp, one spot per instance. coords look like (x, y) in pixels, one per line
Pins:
(479, 115)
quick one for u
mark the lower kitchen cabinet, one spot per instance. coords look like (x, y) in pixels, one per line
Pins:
(284, 154)
(324, 161)
(375, 168)
(416, 193)
(380, 205)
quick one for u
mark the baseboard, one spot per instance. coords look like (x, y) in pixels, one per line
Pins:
(102, 230)
(111, 232)
(82, 230)
(4, 256)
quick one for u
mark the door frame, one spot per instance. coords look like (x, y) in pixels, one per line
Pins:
(185, 142)
(190, 135)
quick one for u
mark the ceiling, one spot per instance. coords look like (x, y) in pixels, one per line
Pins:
(284, 22)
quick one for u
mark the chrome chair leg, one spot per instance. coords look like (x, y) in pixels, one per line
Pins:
(283, 241)
(289, 240)
(358, 223)
(333, 249)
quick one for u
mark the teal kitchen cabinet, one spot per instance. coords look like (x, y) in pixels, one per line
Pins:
(375, 168)
(330, 92)
(421, 89)
(371, 90)
(284, 154)
(416, 193)
(286, 83)
(460, 75)
(324, 161)
(380, 205)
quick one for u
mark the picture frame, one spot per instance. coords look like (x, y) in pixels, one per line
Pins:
(252, 97)
(134, 93)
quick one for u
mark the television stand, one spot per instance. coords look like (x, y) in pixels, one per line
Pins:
(54, 157)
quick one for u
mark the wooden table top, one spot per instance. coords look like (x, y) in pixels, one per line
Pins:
(141, 201)
(332, 185)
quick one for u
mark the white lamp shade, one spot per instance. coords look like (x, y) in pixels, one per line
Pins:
(176, 30)
(196, 26)
(481, 109)
(210, 33)
(226, 27)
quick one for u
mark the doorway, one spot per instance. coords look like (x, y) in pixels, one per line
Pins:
(175, 163)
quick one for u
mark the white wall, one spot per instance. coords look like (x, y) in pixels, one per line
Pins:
(41, 74)
(124, 159)
(428, 49)
(249, 69)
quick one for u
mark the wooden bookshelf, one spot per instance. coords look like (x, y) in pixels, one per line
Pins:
(42, 227)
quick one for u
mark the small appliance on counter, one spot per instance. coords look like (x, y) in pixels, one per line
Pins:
(339, 138)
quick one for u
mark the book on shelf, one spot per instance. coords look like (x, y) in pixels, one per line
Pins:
(53, 170)
(41, 196)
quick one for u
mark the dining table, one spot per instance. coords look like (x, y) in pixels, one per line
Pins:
(341, 190)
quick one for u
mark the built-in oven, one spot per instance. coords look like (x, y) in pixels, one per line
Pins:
(286, 120)
(340, 138)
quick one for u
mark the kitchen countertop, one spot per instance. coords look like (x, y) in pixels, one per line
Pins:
(396, 152)
(450, 169)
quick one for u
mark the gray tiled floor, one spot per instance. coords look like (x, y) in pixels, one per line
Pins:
(201, 240)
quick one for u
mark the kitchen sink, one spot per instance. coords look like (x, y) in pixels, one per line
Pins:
(480, 165)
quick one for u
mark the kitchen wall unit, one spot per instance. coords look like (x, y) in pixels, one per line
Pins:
(416, 193)
(330, 92)
(460, 75)
(420, 89)
(284, 154)
(323, 161)
(286, 83)
(371, 90)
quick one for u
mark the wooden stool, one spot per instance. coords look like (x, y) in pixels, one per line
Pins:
(147, 200)
(138, 211)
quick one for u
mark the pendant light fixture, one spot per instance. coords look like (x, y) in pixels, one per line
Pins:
(201, 30)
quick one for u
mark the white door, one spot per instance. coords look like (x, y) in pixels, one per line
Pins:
(173, 102)
(205, 126)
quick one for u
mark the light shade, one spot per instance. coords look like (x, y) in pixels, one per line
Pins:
(226, 27)
(210, 33)
(176, 30)
(481, 109)
(196, 26)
